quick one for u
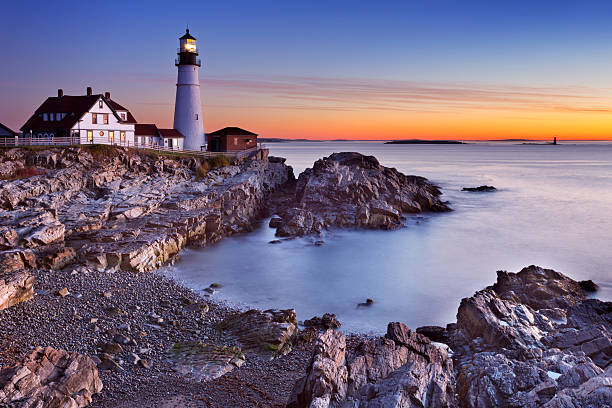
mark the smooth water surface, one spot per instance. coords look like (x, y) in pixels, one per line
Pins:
(553, 208)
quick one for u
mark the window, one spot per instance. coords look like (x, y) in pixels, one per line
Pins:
(122, 137)
(123, 116)
(105, 116)
(45, 117)
(235, 141)
(94, 118)
(90, 136)
(58, 116)
(111, 136)
(100, 104)
(196, 116)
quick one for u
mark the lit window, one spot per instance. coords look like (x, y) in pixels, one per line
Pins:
(94, 118)
(111, 136)
(90, 136)
(100, 104)
(123, 116)
(122, 136)
(235, 141)
(105, 116)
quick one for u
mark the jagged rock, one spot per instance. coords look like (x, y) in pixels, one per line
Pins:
(15, 286)
(350, 189)
(327, 321)
(534, 340)
(434, 333)
(402, 369)
(268, 331)
(50, 378)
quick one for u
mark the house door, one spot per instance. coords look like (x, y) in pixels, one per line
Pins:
(215, 145)
(170, 143)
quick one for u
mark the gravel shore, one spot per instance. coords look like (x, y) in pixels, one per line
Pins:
(150, 313)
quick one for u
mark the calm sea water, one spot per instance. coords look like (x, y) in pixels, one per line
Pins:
(553, 208)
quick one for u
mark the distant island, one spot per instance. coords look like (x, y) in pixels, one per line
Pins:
(419, 141)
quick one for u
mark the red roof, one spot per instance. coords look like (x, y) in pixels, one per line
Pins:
(170, 133)
(231, 130)
(145, 129)
(74, 107)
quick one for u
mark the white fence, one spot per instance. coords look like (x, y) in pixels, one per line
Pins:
(73, 141)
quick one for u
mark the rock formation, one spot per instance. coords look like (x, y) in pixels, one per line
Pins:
(401, 369)
(533, 339)
(50, 378)
(350, 189)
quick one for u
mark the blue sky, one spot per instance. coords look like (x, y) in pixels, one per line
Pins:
(128, 47)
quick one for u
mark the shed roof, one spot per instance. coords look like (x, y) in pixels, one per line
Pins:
(170, 133)
(231, 130)
(145, 129)
(8, 129)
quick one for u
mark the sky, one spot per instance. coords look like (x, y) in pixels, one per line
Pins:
(326, 69)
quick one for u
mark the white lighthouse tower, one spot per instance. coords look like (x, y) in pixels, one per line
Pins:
(188, 107)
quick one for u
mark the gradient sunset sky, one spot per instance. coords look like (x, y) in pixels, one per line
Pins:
(327, 69)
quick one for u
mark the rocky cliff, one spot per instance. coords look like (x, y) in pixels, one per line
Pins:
(118, 208)
(350, 189)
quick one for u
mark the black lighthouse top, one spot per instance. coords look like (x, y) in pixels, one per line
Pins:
(188, 51)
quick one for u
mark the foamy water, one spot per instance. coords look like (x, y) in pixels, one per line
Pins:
(553, 208)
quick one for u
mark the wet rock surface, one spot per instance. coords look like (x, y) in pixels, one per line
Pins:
(50, 378)
(479, 189)
(350, 189)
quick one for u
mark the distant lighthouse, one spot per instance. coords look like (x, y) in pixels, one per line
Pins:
(188, 107)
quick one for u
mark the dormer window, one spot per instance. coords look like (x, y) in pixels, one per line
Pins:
(123, 116)
(100, 104)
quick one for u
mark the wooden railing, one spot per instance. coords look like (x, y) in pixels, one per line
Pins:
(71, 141)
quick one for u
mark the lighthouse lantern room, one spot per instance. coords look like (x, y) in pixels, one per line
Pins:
(188, 106)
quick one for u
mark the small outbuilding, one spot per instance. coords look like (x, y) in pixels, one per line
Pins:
(231, 139)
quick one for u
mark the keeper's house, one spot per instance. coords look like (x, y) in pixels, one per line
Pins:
(231, 139)
(92, 118)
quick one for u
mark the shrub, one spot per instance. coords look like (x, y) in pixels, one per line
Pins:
(202, 170)
(102, 151)
(218, 161)
(24, 172)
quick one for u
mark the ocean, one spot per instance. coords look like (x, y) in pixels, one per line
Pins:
(553, 208)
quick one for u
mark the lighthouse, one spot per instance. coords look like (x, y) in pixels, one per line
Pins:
(188, 107)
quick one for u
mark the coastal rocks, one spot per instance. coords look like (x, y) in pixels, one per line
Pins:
(50, 378)
(270, 331)
(479, 189)
(128, 209)
(327, 321)
(533, 339)
(16, 286)
(401, 369)
(205, 362)
(350, 189)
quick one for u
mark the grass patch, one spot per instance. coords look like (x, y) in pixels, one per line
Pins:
(23, 173)
(101, 151)
(218, 161)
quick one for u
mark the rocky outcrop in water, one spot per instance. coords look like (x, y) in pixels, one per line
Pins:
(533, 339)
(350, 189)
(125, 209)
(50, 378)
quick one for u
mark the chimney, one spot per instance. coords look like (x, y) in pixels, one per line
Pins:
(89, 91)
(60, 93)
(107, 95)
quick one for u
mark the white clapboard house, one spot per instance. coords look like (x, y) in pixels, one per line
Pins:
(90, 118)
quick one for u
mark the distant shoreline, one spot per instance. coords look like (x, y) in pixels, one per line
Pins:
(419, 141)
